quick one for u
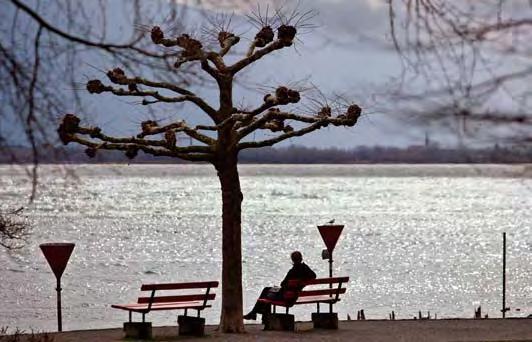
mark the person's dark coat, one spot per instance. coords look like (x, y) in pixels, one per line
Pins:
(298, 272)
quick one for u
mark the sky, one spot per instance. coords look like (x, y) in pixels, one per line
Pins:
(348, 53)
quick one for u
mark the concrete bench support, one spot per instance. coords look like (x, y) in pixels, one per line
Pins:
(138, 330)
(284, 322)
(191, 326)
(325, 320)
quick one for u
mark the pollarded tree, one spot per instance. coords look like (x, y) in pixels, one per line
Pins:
(219, 143)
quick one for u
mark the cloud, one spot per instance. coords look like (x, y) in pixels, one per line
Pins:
(353, 17)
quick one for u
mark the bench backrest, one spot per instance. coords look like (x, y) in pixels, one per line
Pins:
(331, 287)
(203, 294)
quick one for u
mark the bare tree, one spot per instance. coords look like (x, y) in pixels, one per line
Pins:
(466, 62)
(220, 142)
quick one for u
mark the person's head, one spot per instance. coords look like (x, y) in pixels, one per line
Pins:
(296, 257)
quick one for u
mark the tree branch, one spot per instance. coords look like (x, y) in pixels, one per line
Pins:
(132, 149)
(96, 133)
(118, 76)
(192, 50)
(30, 120)
(70, 131)
(150, 127)
(227, 40)
(274, 120)
(264, 39)
(275, 45)
(282, 96)
(481, 32)
(273, 141)
(97, 87)
(104, 46)
(13, 228)
(198, 136)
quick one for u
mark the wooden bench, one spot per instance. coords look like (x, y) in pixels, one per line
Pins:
(188, 325)
(321, 291)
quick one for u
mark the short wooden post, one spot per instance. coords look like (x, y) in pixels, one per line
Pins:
(478, 313)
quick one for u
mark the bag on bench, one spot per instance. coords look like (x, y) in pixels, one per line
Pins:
(275, 293)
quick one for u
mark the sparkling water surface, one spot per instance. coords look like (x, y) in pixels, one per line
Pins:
(416, 238)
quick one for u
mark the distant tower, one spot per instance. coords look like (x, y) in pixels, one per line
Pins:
(185, 138)
(427, 140)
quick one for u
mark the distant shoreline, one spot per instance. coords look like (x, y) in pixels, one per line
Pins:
(422, 154)
(517, 171)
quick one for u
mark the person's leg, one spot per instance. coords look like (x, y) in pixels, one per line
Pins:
(259, 307)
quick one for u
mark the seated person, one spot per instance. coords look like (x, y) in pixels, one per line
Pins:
(299, 271)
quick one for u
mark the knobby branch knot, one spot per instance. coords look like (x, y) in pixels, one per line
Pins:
(68, 127)
(286, 34)
(264, 36)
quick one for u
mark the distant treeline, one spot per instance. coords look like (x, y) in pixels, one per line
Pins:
(387, 155)
(301, 155)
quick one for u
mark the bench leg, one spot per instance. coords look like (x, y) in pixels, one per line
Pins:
(325, 320)
(275, 321)
(138, 330)
(191, 326)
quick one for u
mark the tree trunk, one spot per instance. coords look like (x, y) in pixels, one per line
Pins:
(231, 317)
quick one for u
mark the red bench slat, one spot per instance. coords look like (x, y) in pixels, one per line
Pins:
(161, 306)
(296, 283)
(177, 298)
(316, 299)
(179, 286)
(327, 292)
(199, 306)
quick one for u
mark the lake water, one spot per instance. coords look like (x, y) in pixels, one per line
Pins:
(416, 237)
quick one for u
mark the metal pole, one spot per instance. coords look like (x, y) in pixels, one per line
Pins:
(59, 319)
(330, 276)
(504, 275)
(330, 267)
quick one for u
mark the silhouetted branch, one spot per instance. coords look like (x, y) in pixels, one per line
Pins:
(274, 120)
(276, 45)
(70, 131)
(131, 149)
(13, 229)
(118, 76)
(273, 141)
(467, 57)
(106, 46)
(40, 82)
(30, 120)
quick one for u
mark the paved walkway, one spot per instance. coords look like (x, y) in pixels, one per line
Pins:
(367, 331)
